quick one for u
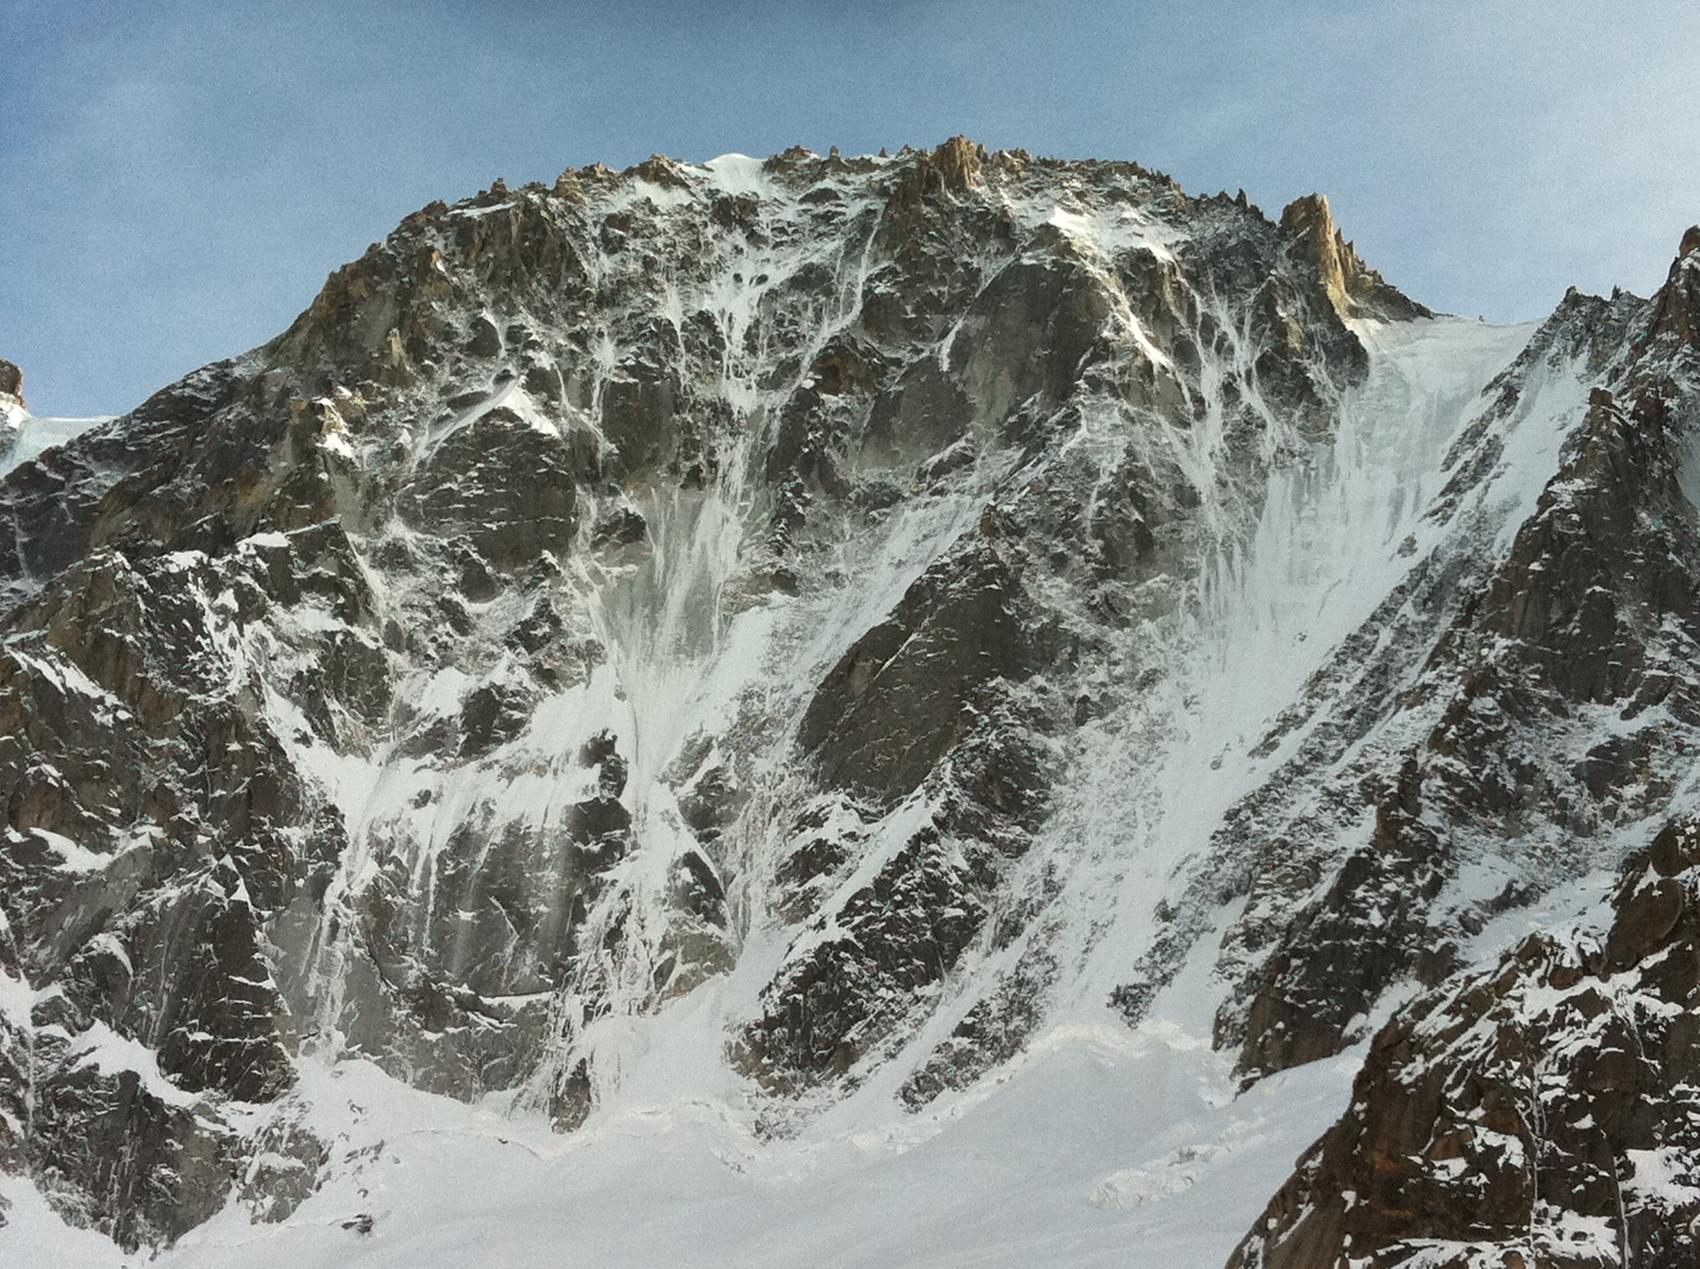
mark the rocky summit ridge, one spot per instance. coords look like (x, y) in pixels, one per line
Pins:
(808, 636)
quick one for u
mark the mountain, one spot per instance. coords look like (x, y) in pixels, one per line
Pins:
(918, 709)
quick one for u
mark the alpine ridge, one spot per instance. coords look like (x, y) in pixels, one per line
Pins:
(739, 712)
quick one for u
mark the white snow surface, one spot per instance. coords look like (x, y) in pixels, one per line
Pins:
(1017, 1178)
(24, 437)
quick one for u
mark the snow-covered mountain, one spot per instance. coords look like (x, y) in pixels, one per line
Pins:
(932, 709)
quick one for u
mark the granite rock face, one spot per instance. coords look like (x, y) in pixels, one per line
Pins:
(1541, 1111)
(892, 600)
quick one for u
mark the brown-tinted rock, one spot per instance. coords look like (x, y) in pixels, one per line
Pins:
(1352, 287)
(1504, 1114)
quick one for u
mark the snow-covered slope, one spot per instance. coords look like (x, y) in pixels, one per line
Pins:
(25, 437)
(749, 712)
(22, 435)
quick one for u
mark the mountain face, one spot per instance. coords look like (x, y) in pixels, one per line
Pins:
(808, 638)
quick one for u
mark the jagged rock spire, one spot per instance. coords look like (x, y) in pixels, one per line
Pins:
(1355, 289)
(1676, 308)
(951, 169)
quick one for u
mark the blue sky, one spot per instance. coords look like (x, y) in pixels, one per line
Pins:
(180, 176)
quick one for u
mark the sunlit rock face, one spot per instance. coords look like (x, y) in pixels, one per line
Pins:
(888, 608)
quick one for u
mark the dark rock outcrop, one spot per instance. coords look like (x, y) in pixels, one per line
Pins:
(909, 689)
(1538, 1112)
(11, 381)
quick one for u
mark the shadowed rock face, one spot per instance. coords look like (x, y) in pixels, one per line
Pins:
(906, 691)
(940, 588)
(1539, 1112)
(125, 1162)
(501, 485)
(1676, 312)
